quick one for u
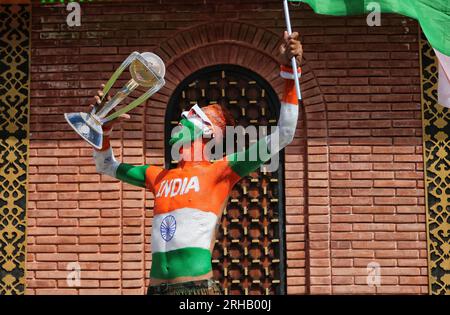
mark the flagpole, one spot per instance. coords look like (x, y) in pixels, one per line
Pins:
(293, 61)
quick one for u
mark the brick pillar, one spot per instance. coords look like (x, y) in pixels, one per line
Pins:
(318, 215)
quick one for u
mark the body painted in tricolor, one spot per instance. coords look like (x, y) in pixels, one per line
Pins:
(189, 199)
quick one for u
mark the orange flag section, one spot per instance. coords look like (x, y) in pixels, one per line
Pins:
(290, 94)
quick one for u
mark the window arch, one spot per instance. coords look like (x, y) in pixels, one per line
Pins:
(249, 254)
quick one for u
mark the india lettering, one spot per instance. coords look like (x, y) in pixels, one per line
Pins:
(178, 186)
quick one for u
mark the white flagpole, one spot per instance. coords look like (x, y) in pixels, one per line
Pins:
(293, 61)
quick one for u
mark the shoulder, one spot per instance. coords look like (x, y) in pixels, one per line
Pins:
(224, 169)
(221, 164)
(152, 172)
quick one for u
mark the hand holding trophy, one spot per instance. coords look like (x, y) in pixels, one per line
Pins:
(146, 69)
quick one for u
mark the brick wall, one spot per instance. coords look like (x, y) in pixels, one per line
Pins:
(354, 179)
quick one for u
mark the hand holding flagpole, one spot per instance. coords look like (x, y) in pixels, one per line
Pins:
(293, 61)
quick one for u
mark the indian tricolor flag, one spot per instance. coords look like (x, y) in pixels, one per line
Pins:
(189, 250)
(433, 16)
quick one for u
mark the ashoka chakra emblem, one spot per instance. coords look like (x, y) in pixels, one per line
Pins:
(168, 227)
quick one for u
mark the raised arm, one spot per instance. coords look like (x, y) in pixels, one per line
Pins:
(257, 154)
(107, 164)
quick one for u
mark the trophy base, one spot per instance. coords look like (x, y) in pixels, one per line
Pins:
(87, 127)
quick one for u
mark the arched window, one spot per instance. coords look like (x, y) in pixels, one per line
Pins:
(249, 255)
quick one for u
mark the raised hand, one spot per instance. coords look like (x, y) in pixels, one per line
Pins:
(98, 101)
(292, 47)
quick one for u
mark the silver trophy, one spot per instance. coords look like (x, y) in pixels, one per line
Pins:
(146, 69)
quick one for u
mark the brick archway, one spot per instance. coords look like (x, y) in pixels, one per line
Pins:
(307, 180)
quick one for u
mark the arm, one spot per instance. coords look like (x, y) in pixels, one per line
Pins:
(107, 164)
(242, 163)
(245, 162)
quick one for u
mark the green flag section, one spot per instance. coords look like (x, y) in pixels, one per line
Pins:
(183, 262)
(433, 15)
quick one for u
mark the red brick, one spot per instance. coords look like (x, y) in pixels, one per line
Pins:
(363, 133)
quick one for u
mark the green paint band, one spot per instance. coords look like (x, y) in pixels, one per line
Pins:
(134, 175)
(188, 133)
(183, 262)
(245, 162)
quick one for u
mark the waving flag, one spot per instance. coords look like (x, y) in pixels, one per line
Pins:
(433, 16)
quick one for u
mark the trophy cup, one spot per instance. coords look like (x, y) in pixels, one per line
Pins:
(146, 69)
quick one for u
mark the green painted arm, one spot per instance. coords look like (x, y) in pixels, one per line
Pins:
(247, 161)
(134, 175)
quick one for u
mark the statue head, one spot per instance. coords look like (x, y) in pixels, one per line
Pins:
(206, 123)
